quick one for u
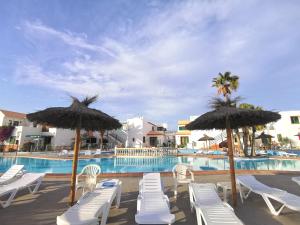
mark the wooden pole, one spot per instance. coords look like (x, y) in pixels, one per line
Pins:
(74, 168)
(231, 162)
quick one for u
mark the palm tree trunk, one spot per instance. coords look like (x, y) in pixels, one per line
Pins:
(245, 140)
(253, 153)
(101, 139)
(239, 140)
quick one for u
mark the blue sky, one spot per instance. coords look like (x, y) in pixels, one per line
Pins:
(151, 58)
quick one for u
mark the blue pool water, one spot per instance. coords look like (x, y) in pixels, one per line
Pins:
(160, 164)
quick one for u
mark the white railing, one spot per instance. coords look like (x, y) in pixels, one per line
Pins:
(152, 152)
(145, 162)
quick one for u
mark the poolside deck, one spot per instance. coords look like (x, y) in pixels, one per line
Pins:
(51, 201)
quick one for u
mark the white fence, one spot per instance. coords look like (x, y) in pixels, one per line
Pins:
(152, 152)
(152, 162)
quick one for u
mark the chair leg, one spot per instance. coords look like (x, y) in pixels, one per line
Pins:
(39, 182)
(105, 213)
(7, 203)
(199, 217)
(118, 197)
(271, 207)
(175, 189)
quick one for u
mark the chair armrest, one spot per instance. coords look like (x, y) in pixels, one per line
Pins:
(192, 174)
(77, 177)
(174, 172)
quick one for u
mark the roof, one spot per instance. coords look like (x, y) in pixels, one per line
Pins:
(183, 132)
(183, 122)
(152, 123)
(155, 133)
(13, 114)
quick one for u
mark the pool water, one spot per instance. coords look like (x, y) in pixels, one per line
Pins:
(159, 164)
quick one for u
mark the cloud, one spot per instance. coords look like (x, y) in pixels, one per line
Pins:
(163, 65)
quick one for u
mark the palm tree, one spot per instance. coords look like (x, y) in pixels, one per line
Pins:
(246, 130)
(226, 83)
(254, 129)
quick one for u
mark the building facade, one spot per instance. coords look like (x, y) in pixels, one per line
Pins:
(142, 133)
(287, 127)
(190, 139)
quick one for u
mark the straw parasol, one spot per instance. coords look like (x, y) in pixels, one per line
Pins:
(227, 116)
(77, 116)
(206, 138)
(263, 136)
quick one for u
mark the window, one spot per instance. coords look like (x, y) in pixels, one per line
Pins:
(16, 123)
(295, 119)
(133, 139)
(9, 123)
(152, 128)
(144, 139)
(184, 140)
(181, 128)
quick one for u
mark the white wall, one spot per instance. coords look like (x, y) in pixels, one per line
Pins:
(61, 137)
(4, 120)
(1, 118)
(285, 127)
(20, 132)
(135, 132)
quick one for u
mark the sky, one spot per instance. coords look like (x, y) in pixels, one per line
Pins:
(148, 58)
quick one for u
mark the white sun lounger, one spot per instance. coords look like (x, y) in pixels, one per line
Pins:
(209, 207)
(14, 172)
(151, 182)
(92, 205)
(28, 180)
(296, 179)
(152, 204)
(248, 182)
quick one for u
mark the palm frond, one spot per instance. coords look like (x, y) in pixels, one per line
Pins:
(217, 103)
(89, 100)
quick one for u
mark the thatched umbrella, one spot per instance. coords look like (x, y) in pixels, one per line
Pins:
(263, 135)
(206, 138)
(77, 116)
(228, 117)
(265, 138)
(223, 144)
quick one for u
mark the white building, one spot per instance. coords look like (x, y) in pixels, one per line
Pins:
(288, 126)
(10, 118)
(190, 139)
(142, 133)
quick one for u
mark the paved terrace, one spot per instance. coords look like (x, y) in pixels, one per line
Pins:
(52, 199)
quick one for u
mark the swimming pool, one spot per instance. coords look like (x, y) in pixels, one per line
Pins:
(159, 164)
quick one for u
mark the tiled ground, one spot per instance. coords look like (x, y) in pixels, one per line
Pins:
(51, 201)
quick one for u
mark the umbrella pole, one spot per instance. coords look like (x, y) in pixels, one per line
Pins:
(231, 162)
(74, 168)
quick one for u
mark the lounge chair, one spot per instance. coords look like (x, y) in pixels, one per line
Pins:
(209, 207)
(249, 182)
(87, 179)
(64, 152)
(296, 179)
(28, 180)
(151, 182)
(87, 152)
(153, 205)
(93, 204)
(98, 152)
(14, 172)
(180, 176)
